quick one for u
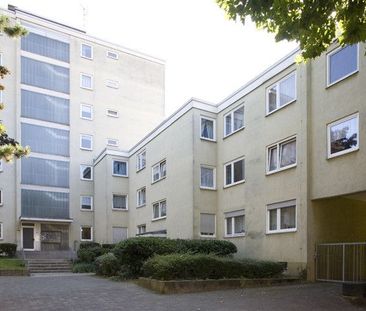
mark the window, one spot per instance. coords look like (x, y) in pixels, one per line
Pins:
(141, 229)
(141, 160)
(159, 210)
(86, 142)
(234, 172)
(86, 112)
(208, 128)
(1, 197)
(86, 172)
(86, 233)
(86, 51)
(86, 81)
(341, 63)
(1, 231)
(119, 168)
(281, 155)
(119, 234)
(112, 55)
(1, 166)
(112, 142)
(207, 224)
(234, 223)
(119, 202)
(208, 177)
(86, 203)
(343, 136)
(159, 171)
(234, 121)
(281, 93)
(112, 113)
(281, 217)
(112, 84)
(141, 197)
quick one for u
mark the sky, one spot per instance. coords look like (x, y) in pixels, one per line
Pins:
(207, 56)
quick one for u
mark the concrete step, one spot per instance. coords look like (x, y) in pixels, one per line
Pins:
(49, 265)
(49, 271)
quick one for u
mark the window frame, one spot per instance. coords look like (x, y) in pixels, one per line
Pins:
(112, 139)
(91, 203)
(120, 195)
(337, 122)
(1, 163)
(278, 145)
(91, 81)
(113, 84)
(232, 172)
(1, 231)
(108, 55)
(118, 175)
(91, 51)
(214, 128)
(91, 112)
(334, 51)
(234, 235)
(231, 112)
(83, 136)
(137, 197)
(140, 226)
(112, 115)
(91, 233)
(160, 217)
(214, 177)
(138, 168)
(278, 217)
(1, 197)
(91, 172)
(207, 235)
(277, 84)
(160, 175)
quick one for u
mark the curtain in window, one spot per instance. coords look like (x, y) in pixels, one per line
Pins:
(86, 81)
(207, 128)
(239, 170)
(272, 98)
(86, 202)
(119, 201)
(120, 168)
(288, 153)
(342, 63)
(238, 118)
(239, 224)
(142, 196)
(288, 217)
(287, 90)
(156, 210)
(228, 124)
(163, 169)
(207, 177)
(272, 158)
(273, 219)
(229, 226)
(163, 209)
(207, 224)
(228, 174)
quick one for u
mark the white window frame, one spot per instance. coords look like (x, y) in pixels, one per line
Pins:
(111, 114)
(1, 197)
(137, 197)
(1, 165)
(346, 76)
(108, 140)
(233, 234)
(214, 128)
(91, 202)
(91, 51)
(118, 175)
(91, 172)
(339, 121)
(91, 233)
(112, 52)
(91, 111)
(91, 81)
(232, 172)
(166, 211)
(1, 231)
(141, 226)
(160, 171)
(232, 121)
(120, 195)
(277, 84)
(84, 136)
(207, 235)
(113, 84)
(138, 167)
(278, 145)
(290, 204)
(214, 177)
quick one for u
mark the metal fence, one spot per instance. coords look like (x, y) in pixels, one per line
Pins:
(341, 262)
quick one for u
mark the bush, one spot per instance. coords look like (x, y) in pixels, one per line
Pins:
(89, 254)
(83, 267)
(108, 246)
(217, 247)
(8, 249)
(89, 245)
(203, 266)
(107, 265)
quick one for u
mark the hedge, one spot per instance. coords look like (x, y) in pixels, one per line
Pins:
(89, 254)
(89, 245)
(133, 252)
(106, 265)
(83, 267)
(203, 266)
(8, 249)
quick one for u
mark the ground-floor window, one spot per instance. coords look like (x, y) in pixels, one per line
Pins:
(141, 229)
(119, 234)
(207, 224)
(86, 233)
(234, 223)
(281, 217)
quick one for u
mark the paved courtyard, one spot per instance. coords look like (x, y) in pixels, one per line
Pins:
(93, 293)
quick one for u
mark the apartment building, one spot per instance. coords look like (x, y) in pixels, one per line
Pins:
(276, 167)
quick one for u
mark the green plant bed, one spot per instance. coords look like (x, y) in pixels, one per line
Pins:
(12, 264)
(83, 267)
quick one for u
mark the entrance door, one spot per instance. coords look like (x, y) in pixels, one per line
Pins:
(28, 238)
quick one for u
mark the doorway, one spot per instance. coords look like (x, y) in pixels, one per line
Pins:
(28, 238)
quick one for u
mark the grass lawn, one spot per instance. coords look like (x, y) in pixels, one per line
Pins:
(11, 264)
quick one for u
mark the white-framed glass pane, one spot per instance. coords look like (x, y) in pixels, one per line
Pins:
(156, 210)
(287, 90)
(86, 202)
(112, 113)
(119, 201)
(239, 224)
(238, 171)
(288, 217)
(228, 174)
(163, 209)
(272, 219)
(112, 55)
(86, 51)
(228, 124)
(86, 81)
(272, 98)
(119, 168)
(86, 142)
(156, 172)
(238, 118)
(163, 169)
(86, 112)
(344, 135)
(342, 63)
(86, 172)
(207, 128)
(288, 153)
(229, 226)
(207, 177)
(141, 196)
(86, 233)
(272, 158)
(141, 160)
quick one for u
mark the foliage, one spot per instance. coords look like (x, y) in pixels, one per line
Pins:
(8, 249)
(207, 266)
(107, 265)
(89, 254)
(88, 245)
(11, 264)
(313, 24)
(9, 147)
(83, 267)
(108, 246)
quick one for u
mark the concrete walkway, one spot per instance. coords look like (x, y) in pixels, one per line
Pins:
(74, 292)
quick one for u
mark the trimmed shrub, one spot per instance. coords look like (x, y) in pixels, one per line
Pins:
(217, 247)
(106, 265)
(203, 266)
(89, 245)
(8, 249)
(83, 267)
(89, 254)
(108, 246)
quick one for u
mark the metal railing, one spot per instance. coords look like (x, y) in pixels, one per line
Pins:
(341, 262)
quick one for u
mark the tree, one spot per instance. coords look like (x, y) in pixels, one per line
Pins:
(9, 147)
(314, 24)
